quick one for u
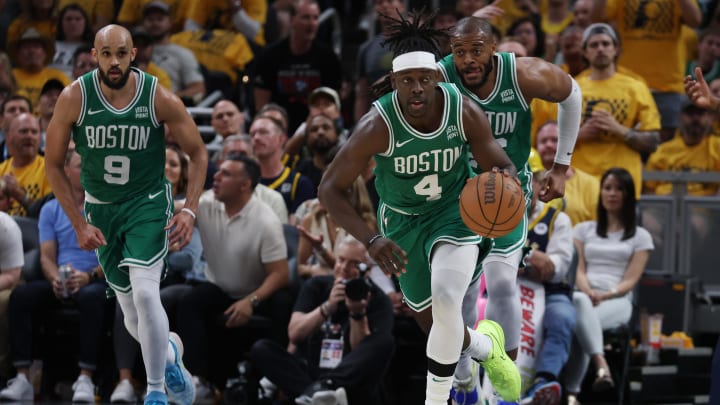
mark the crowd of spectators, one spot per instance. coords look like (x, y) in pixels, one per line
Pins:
(290, 97)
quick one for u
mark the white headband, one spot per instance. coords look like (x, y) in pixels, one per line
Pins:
(414, 60)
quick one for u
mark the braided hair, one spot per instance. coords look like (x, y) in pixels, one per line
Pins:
(414, 33)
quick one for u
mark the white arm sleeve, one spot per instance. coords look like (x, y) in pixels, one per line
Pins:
(246, 25)
(569, 112)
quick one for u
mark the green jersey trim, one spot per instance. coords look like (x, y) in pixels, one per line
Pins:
(513, 75)
(83, 103)
(409, 128)
(139, 85)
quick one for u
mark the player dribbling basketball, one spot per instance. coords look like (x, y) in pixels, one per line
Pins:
(419, 136)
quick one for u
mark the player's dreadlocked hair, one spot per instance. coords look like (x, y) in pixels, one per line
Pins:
(414, 33)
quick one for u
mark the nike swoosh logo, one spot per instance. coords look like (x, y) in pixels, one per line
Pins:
(399, 144)
(152, 196)
(438, 379)
(91, 112)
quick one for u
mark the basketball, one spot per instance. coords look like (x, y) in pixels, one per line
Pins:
(491, 204)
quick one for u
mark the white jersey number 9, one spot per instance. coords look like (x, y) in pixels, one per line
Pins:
(117, 169)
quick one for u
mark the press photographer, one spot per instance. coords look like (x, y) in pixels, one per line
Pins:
(341, 326)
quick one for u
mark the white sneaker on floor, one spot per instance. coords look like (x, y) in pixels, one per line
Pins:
(330, 397)
(124, 392)
(83, 390)
(18, 389)
(204, 392)
(178, 380)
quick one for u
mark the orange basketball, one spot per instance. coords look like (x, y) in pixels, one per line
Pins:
(492, 204)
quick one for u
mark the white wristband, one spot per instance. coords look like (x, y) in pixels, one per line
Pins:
(190, 212)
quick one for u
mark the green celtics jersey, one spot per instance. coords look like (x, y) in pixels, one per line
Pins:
(422, 171)
(508, 112)
(122, 150)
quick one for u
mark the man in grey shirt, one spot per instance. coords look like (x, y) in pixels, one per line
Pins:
(179, 62)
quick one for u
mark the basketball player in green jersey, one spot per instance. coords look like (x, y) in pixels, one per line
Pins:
(504, 86)
(419, 136)
(115, 115)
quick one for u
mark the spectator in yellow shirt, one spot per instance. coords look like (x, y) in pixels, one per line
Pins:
(651, 32)
(620, 119)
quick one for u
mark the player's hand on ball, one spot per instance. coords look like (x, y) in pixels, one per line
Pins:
(90, 237)
(389, 256)
(182, 225)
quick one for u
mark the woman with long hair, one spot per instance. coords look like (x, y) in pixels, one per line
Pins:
(612, 254)
(73, 31)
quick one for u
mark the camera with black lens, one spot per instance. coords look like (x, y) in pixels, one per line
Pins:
(357, 288)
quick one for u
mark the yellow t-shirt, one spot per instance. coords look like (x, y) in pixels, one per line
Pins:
(21, 24)
(631, 104)
(651, 40)
(131, 12)
(675, 155)
(161, 74)
(542, 111)
(93, 8)
(581, 197)
(31, 178)
(30, 84)
(219, 50)
(216, 14)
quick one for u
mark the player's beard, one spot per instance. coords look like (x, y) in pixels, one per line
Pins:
(120, 83)
(489, 66)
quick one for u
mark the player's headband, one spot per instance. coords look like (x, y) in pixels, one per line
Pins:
(414, 60)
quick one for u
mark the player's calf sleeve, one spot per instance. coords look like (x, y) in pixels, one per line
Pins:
(152, 322)
(130, 316)
(503, 304)
(452, 267)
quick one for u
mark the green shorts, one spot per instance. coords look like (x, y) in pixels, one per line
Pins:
(515, 240)
(417, 235)
(135, 233)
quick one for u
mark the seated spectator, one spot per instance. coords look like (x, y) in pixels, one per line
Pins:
(322, 137)
(612, 254)
(38, 16)
(343, 334)
(320, 235)
(288, 70)
(620, 119)
(268, 140)
(693, 149)
(131, 12)
(226, 119)
(581, 189)
(550, 237)
(83, 61)
(24, 172)
(708, 60)
(30, 55)
(180, 64)
(73, 31)
(83, 286)
(12, 106)
(11, 262)
(99, 12)
(245, 275)
(143, 42)
(245, 17)
(46, 106)
(242, 144)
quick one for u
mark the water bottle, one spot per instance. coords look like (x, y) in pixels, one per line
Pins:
(65, 271)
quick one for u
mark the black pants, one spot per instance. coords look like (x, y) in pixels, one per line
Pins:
(360, 372)
(29, 304)
(215, 348)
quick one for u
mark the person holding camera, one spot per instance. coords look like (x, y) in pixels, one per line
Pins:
(341, 326)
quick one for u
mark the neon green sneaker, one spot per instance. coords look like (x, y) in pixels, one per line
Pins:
(502, 371)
